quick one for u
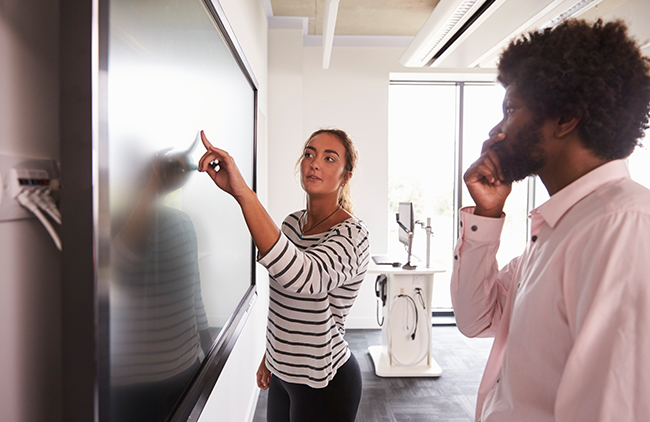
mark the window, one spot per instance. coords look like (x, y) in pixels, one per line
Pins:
(638, 162)
(436, 131)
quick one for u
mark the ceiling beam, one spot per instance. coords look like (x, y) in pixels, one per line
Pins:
(329, 23)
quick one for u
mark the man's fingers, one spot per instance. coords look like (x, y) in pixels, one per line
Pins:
(488, 144)
(488, 165)
(485, 167)
(482, 171)
(493, 157)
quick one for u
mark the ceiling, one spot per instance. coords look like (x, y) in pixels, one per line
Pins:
(480, 45)
(362, 17)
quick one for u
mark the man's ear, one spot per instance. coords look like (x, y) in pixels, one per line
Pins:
(565, 125)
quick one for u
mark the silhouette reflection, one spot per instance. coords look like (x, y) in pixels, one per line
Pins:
(158, 326)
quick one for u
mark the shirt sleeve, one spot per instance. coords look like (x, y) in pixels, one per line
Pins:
(478, 289)
(340, 258)
(607, 294)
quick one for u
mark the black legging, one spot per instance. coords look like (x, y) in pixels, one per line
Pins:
(338, 402)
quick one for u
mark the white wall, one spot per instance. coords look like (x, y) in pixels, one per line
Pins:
(285, 120)
(235, 395)
(30, 327)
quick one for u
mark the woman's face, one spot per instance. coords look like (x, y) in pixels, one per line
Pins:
(322, 168)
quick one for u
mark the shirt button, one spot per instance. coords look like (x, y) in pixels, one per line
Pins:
(461, 224)
(498, 379)
(456, 257)
(474, 228)
(534, 238)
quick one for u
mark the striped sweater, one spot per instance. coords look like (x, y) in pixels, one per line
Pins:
(313, 284)
(156, 305)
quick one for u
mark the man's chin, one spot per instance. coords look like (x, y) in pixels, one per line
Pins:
(511, 177)
(516, 170)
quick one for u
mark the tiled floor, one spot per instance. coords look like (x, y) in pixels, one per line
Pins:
(449, 398)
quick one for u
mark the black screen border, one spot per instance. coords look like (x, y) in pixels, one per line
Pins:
(83, 128)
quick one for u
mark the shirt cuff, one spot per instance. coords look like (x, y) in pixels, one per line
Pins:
(479, 228)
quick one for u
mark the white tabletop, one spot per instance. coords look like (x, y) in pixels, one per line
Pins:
(388, 269)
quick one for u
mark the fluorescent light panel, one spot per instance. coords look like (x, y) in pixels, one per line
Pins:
(572, 11)
(453, 20)
(447, 16)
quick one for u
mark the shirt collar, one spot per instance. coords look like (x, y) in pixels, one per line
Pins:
(557, 205)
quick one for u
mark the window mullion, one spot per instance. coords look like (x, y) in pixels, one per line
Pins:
(532, 182)
(458, 180)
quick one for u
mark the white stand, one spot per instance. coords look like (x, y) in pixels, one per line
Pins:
(395, 333)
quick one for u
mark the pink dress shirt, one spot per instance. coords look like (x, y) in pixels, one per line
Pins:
(571, 315)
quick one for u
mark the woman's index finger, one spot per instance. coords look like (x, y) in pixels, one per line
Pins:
(205, 141)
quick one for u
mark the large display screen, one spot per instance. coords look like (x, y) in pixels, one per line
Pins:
(181, 258)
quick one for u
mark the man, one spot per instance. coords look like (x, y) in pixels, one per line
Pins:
(571, 315)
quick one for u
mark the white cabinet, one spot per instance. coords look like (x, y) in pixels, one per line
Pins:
(405, 350)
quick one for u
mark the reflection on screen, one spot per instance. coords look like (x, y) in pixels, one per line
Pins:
(180, 250)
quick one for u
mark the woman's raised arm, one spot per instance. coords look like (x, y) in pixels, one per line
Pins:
(221, 167)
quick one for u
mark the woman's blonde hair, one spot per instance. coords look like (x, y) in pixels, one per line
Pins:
(351, 158)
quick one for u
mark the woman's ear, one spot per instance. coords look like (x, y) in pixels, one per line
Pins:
(348, 177)
(565, 125)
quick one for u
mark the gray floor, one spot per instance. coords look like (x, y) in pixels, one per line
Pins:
(449, 398)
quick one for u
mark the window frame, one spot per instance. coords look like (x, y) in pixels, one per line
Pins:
(461, 81)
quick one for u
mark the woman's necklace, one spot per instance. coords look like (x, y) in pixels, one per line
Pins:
(302, 232)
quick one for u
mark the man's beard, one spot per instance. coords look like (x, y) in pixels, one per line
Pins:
(523, 157)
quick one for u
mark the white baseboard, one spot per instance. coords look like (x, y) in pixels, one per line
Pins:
(253, 406)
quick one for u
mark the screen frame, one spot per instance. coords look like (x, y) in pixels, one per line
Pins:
(86, 232)
(405, 216)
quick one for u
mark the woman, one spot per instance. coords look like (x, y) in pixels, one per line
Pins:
(316, 265)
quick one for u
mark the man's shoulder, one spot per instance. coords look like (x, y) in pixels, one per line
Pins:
(624, 195)
(623, 198)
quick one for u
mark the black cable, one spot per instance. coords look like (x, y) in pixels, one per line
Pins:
(418, 292)
(380, 292)
(381, 323)
(415, 310)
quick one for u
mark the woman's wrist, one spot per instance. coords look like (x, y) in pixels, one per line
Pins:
(247, 197)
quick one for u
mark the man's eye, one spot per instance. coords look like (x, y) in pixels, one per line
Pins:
(509, 111)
